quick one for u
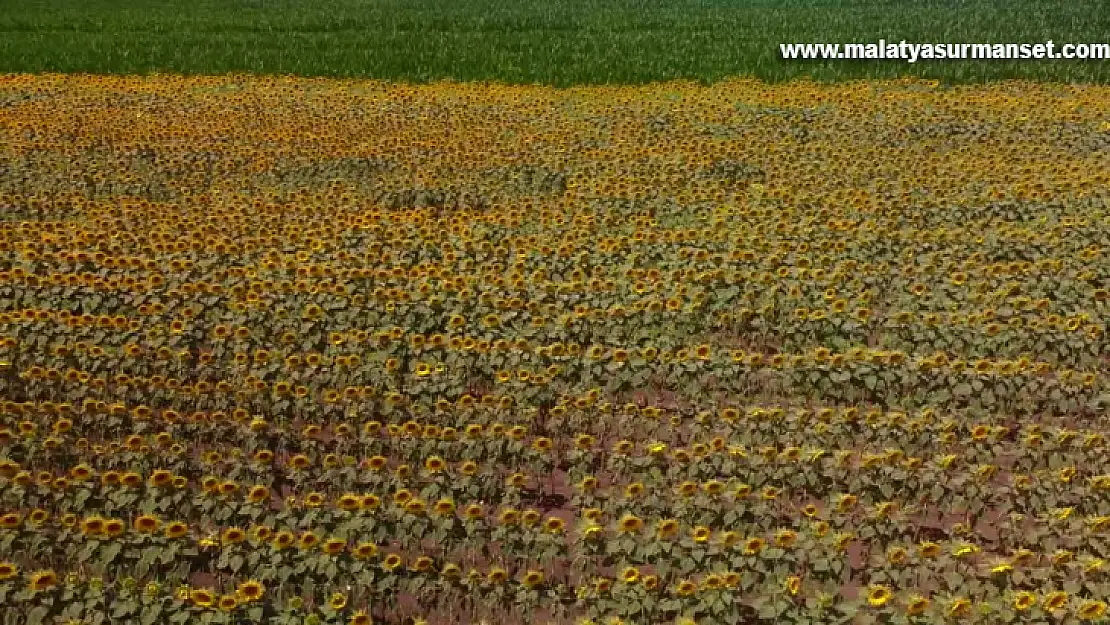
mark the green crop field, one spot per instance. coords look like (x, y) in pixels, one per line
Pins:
(557, 42)
(347, 312)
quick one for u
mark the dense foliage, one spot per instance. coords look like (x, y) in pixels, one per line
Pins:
(554, 42)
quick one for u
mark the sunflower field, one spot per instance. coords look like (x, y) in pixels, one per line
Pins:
(319, 351)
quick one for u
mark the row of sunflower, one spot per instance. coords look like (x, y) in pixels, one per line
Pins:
(683, 354)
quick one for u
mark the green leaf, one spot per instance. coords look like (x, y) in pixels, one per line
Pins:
(123, 608)
(108, 555)
(37, 615)
(151, 614)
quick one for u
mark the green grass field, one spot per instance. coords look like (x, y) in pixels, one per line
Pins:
(557, 42)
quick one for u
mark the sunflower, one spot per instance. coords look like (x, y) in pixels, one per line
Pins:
(793, 585)
(731, 579)
(201, 597)
(228, 603)
(1091, 610)
(444, 507)
(630, 575)
(175, 529)
(1024, 600)
(897, 556)
(846, 502)
(392, 561)
(233, 535)
(250, 591)
(258, 494)
(337, 601)
(842, 540)
(1002, 568)
(928, 549)
(1061, 557)
(959, 608)
(83, 472)
(209, 483)
(308, 540)
(965, 549)
(713, 487)
(753, 546)
(283, 540)
(630, 524)
(8, 571)
(360, 618)
(529, 518)
(348, 502)
(146, 524)
(160, 478)
(473, 512)
(365, 550)
(729, 538)
(603, 585)
(634, 490)
(434, 464)
(1054, 601)
(917, 605)
(786, 538)
(1066, 474)
(532, 579)
(701, 534)
(468, 468)
(92, 526)
(402, 496)
(686, 588)
(1092, 565)
(114, 527)
(878, 596)
(497, 575)
(334, 546)
(592, 531)
(416, 506)
(508, 516)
